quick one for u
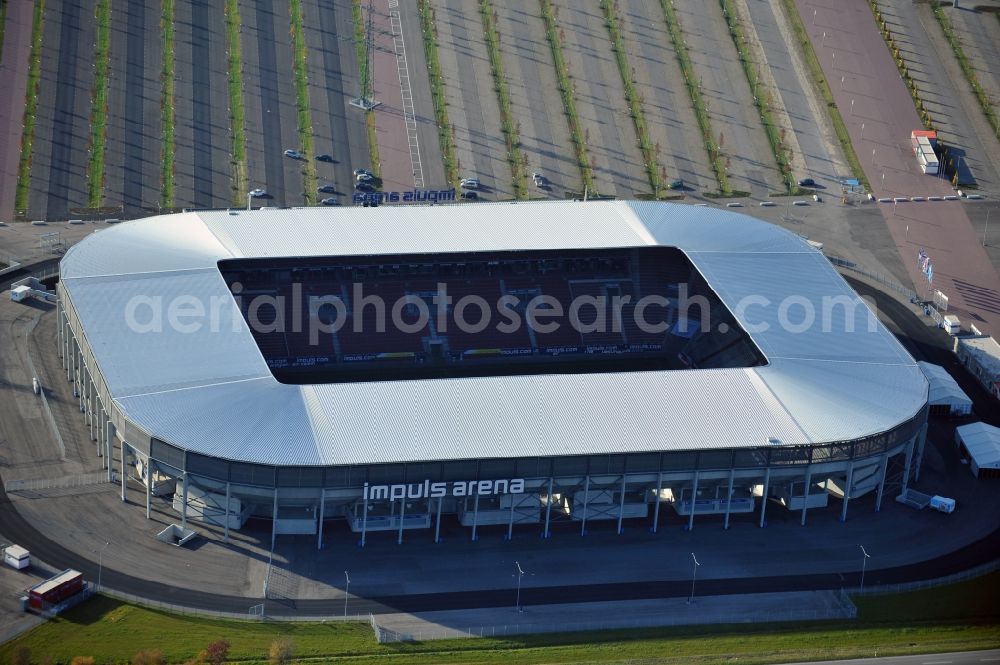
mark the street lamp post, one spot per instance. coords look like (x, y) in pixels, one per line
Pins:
(100, 564)
(873, 156)
(864, 564)
(987, 229)
(249, 197)
(694, 576)
(862, 124)
(517, 599)
(347, 591)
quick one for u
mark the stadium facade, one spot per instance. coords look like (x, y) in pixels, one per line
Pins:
(233, 361)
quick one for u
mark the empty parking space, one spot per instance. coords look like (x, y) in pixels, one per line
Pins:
(600, 101)
(735, 121)
(979, 33)
(132, 159)
(62, 129)
(673, 128)
(473, 109)
(203, 169)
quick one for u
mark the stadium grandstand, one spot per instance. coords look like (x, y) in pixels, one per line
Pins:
(516, 365)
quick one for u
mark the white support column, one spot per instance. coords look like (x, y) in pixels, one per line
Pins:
(881, 482)
(805, 493)
(91, 415)
(475, 517)
(274, 519)
(59, 327)
(184, 501)
(149, 484)
(364, 524)
(107, 448)
(586, 500)
(621, 506)
(694, 496)
(402, 514)
(123, 449)
(908, 465)
(437, 526)
(225, 528)
(510, 523)
(847, 491)
(548, 511)
(322, 512)
(763, 496)
(921, 441)
(656, 510)
(729, 498)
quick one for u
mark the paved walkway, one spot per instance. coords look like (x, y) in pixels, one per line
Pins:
(14, 82)
(848, 44)
(571, 617)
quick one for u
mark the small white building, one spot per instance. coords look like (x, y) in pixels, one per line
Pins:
(945, 397)
(17, 557)
(981, 444)
(981, 356)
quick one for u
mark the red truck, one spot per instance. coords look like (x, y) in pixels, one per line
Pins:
(55, 590)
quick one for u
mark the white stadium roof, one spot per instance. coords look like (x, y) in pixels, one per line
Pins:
(211, 391)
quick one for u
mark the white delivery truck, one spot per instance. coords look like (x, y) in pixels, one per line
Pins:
(942, 504)
(17, 557)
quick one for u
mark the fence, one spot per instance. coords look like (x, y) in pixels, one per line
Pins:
(57, 483)
(874, 276)
(978, 571)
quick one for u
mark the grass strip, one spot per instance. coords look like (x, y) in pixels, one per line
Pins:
(958, 617)
(237, 113)
(817, 76)
(632, 97)
(967, 69)
(167, 106)
(30, 109)
(566, 88)
(302, 101)
(760, 96)
(508, 125)
(429, 30)
(99, 105)
(697, 101)
(364, 69)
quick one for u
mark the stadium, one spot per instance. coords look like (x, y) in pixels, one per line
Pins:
(516, 366)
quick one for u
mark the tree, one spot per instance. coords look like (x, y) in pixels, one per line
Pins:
(281, 651)
(217, 652)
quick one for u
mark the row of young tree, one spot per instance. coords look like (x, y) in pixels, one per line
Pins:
(280, 652)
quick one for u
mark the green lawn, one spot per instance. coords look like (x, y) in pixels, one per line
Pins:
(30, 108)
(167, 106)
(237, 120)
(99, 106)
(954, 618)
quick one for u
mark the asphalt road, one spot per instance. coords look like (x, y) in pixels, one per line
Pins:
(954, 658)
(473, 108)
(730, 105)
(600, 101)
(59, 153)
(14, 62)
(666, 103)
(817, 151)
(132, 157)
(535, 99)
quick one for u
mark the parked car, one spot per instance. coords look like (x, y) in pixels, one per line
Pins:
(294, 154)
(539, 179)
(807, 182)
(258, 193)
(364, 177)
(364, 186)
(366, 172)
(330, 201)
(469, 195)
(469, 183)
(324, 158)
(677, 183)
(326, 189)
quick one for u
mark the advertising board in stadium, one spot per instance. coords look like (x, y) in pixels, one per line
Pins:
(429, 490)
